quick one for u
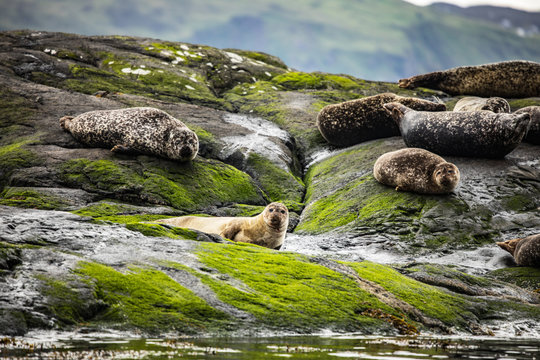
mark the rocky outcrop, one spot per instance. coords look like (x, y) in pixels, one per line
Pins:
(79, 251)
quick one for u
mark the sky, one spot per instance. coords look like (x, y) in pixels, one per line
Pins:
(529, 5)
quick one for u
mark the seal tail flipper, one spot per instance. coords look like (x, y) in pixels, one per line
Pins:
(397, 110)
(64, 122)
(405, 83)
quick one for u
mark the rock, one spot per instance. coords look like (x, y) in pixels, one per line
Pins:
(78, 249)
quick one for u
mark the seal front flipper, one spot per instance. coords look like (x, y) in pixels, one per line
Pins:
(231, 230)
(123, 149)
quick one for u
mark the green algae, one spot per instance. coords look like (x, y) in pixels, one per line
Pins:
(286, 290)
(13, 156)
(516, 104)
(185, 186)
(16, 110)
(31, 198)
(449, 308)
(525, 277)
(260, 56)
(301, 80)
(149, 300)
(278, 184)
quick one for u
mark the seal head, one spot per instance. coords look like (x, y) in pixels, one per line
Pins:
(446, 176)
(276, 216)
(526, 251)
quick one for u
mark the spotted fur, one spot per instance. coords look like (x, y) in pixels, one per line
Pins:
(473, 103)
(139, 130)
(526, 251)
(416, 170)
(533, 135)
(356, 121)
(473, 134)
(507, 79)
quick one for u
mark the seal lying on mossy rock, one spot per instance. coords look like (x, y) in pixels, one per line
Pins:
(416, 170)
(134, 130)
(472, 134)
(355, 121)
(526, 251)
(507, 79)
(266, 229)
(473, 103)
(533, 135)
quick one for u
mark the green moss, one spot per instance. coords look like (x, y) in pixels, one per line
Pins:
(450, 309)
(519, 202)
(286, 290)
(301, 80)
(525, 277)
(13, 156)
(149, 300)
(64, 302)
(279, 185)
(516, 104)
(31, 198)
(185, 186)
(16, 109)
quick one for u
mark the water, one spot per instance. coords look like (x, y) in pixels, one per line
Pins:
(294, 347)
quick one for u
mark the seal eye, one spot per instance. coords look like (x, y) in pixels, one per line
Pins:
(271, 210)
(439, 172)
(283, 211)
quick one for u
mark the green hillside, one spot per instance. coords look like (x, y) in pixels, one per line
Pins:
(371, 39)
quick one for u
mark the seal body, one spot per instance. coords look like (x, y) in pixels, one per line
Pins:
(473, 103)
(266, 229)
(416, 170)
(138, 130)
(526, 251)
(472, 134)
(507, 79)
(356, 121)
(533, 135)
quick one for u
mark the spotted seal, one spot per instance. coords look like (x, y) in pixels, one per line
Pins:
(533, 135)
(507, 79)
(526, 251)
(473, 134)
(139, 130)
(266, 229)
(355, 121)
(473, 103)
(416, 170)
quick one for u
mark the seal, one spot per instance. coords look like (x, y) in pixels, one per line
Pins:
(134, 130)
(416, 170)
(355, 121)
(267, 229)
(472, 134)
(507, 79)
(533, 135)
(526, 251)
(473, 103)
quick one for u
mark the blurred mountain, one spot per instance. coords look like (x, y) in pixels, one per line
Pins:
(524, 23)
(371, 39)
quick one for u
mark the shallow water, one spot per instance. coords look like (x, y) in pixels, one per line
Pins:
(294, 347)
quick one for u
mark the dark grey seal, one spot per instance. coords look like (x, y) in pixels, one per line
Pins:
(533, 135)
(507, 79)
(526, 251)
(134, 130)
(356, 121)
(473, 103)
(416, 170)
(473, 134)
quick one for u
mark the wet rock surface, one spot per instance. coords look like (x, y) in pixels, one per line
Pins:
(79, 250)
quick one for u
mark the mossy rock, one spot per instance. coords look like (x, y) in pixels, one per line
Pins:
(15, 155)
(185, 186)
(149, 300)
(35, 198)
(525, 277)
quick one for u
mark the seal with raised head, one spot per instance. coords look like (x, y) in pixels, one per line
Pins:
(533, 135)
(416, 170)
(507, 79)
(134, 130)
(473, 103)
(526, 251)
(355, 121)
(472, 134)
(266, 229)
